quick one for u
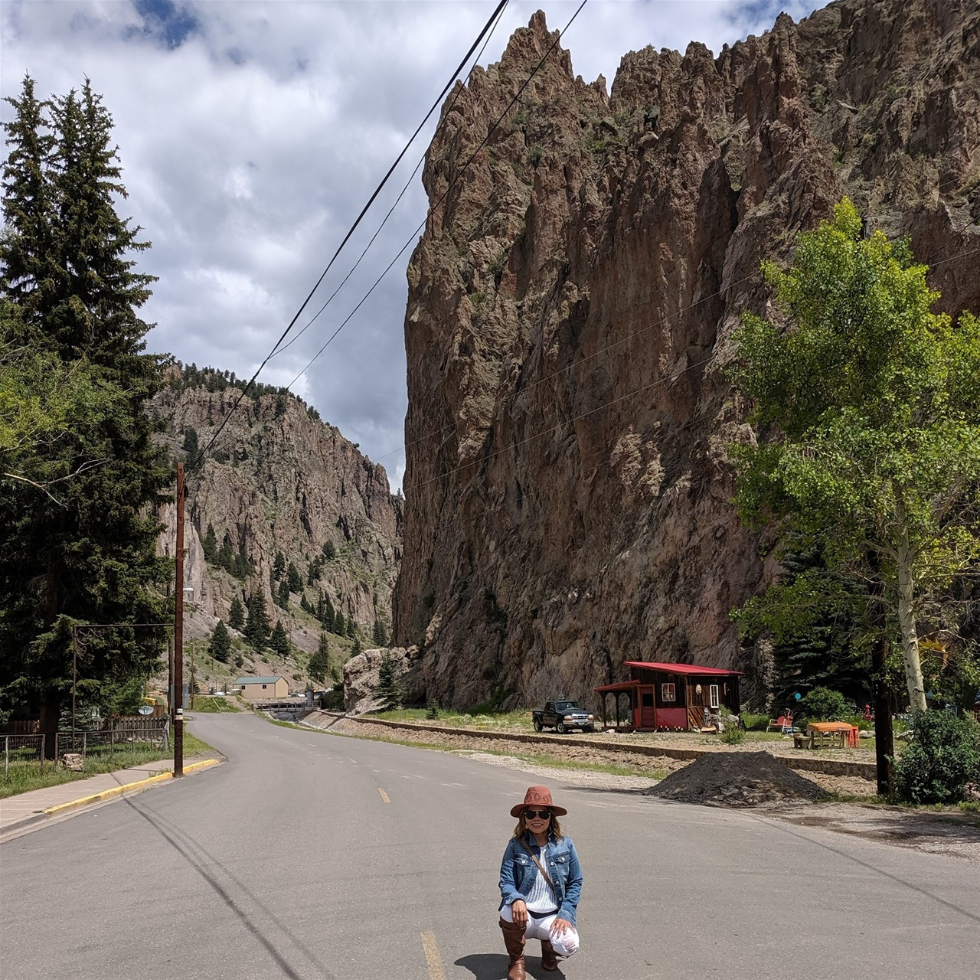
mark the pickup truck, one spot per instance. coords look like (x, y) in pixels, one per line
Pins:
(563, 716)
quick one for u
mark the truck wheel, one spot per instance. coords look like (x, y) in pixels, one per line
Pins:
(560, 728)
(590, 729)
(537, 725)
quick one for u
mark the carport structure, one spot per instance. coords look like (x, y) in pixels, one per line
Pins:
(668, 697)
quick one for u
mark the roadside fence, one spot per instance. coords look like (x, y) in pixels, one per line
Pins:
(123, 736)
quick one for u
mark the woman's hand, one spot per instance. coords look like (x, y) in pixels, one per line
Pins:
(560, 926)
(519, 913)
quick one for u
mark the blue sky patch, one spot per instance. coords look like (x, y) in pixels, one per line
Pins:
(167, 20)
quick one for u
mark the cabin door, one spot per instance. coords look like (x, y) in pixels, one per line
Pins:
(647, 711)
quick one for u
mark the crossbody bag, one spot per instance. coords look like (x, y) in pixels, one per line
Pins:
(547, 878)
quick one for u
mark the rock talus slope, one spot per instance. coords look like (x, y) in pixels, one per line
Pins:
(570, 309)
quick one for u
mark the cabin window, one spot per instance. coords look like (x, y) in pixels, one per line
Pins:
(668, 692)
(713, 696)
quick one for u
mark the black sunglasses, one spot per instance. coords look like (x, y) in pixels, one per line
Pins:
(537, 814)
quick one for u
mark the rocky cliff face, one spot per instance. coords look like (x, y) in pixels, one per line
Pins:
(281, 480)
(570, 311)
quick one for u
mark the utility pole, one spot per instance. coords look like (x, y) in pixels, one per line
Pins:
(178, 703)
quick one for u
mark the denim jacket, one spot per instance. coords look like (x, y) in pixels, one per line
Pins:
(518, 871)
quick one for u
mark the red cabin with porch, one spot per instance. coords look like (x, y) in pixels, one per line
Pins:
(669, 697)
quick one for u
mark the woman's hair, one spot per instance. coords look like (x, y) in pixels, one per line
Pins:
(553, 826)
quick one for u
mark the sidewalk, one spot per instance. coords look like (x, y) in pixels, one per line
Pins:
(43, 804)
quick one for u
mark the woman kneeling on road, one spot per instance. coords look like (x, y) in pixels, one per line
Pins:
(540, 884)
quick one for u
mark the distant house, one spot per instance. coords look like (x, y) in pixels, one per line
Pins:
(672, 697)
(260, 688)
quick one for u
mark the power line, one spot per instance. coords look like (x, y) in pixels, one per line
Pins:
(435, 105)
(445, 194)
(391, 210)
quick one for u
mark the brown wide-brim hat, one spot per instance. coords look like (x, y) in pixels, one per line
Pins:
(538, 796)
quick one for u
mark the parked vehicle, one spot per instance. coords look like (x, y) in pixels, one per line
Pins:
(563, 716)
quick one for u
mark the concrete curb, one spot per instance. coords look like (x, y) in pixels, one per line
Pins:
(123, 790)
(115, 791)
(831, 767)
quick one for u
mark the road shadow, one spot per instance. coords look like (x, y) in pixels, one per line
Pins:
(493, 966)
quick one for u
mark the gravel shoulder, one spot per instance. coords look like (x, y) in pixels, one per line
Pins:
(950, 833)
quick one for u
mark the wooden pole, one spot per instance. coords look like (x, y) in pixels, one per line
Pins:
(178, 706)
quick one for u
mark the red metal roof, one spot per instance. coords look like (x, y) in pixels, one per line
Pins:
(684, 669)
(622, 686)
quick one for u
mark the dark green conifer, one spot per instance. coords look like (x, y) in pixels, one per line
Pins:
(236, 615)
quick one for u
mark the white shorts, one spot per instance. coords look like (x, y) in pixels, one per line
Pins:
(563, 945)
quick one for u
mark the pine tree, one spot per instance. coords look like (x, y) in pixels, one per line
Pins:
(293, 579)
(278, 565)
(191, 448)
(220, 644)
(226, 557)
(379, 635)
(257, 624)
(278, 641)
(388, 691)
(350, 629)
(210, 545)
(339, 626)
(282, 595)
(90, 556)
(329, 551)
(320, 661)
(236, 615)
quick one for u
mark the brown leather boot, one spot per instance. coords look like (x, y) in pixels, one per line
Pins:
(549, 958)
(514, 941)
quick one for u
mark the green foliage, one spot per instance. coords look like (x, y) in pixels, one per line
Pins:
(219, 646)
(878, 464)
(279, 641)
(320, 660)
(815, 618)
(329, 551)
(732, 735)
(823, 704)
(293, 579)
(236, 614)
(379, 635)
(257, 625)
(77, 542)
(943, 756)
(388, 690)
(210, 544)
(432, 709)
(278, 566)
(754, 723)
(282, 595)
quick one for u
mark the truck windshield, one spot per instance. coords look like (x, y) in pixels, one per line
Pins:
(565, 705)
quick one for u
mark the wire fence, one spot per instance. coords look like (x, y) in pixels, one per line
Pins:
(122, 738)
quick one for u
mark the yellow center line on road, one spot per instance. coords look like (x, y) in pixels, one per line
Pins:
(384, 795)
(432, 958)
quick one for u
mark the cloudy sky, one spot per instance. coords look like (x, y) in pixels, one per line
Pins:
(252, 133)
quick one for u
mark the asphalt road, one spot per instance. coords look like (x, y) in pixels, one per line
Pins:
(310, 856)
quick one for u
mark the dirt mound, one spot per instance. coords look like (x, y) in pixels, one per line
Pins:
(736, 779)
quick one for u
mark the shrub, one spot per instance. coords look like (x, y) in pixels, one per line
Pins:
(943, 755)
(823, 704)
(754, 723)
(432, 709)
(732, 735)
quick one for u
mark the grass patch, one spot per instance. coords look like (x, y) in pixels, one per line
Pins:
(22, 777)
(207, 704)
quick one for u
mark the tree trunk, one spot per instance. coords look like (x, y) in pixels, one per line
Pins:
(50, 716)
(906, 619)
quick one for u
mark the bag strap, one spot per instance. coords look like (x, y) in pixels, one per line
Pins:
(551, 884)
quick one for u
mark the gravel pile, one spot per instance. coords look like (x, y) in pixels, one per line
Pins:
(737, 779)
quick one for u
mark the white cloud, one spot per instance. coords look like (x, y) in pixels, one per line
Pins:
(252, 133)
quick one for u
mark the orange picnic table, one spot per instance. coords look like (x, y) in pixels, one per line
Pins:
(845, 731)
